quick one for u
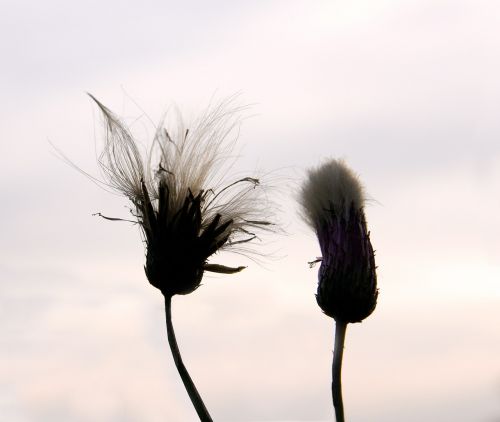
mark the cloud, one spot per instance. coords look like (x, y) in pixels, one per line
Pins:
(407, 92)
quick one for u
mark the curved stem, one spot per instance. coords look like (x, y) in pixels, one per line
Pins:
(338, 351)
(186, 379)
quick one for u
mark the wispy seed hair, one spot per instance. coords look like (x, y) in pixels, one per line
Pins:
(332, 186)
(189, 160)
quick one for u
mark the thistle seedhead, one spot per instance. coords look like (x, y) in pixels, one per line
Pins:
(181, 196)
(332, 200)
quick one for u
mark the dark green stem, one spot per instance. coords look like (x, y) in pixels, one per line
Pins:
(186, 379)
(338, 351)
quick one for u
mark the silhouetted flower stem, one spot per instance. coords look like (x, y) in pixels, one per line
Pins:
(185, 203)
(186, 379)
(333, 199)
(338, 351)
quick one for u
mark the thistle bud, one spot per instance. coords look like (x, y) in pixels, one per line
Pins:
(333, 203)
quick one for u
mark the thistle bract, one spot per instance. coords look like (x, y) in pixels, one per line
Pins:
(332, 200)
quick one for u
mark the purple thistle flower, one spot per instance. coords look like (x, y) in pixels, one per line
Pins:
(347, 288)
(333, 199)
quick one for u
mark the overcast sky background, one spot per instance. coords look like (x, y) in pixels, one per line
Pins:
(406, 91)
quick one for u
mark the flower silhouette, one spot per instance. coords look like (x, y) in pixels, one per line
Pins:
(184, 202)
(332, 200)
(181, 197)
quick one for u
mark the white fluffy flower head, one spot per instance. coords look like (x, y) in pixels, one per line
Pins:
(182, 196)
(330, 186)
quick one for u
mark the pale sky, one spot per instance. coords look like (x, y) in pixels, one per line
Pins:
(406, 91)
